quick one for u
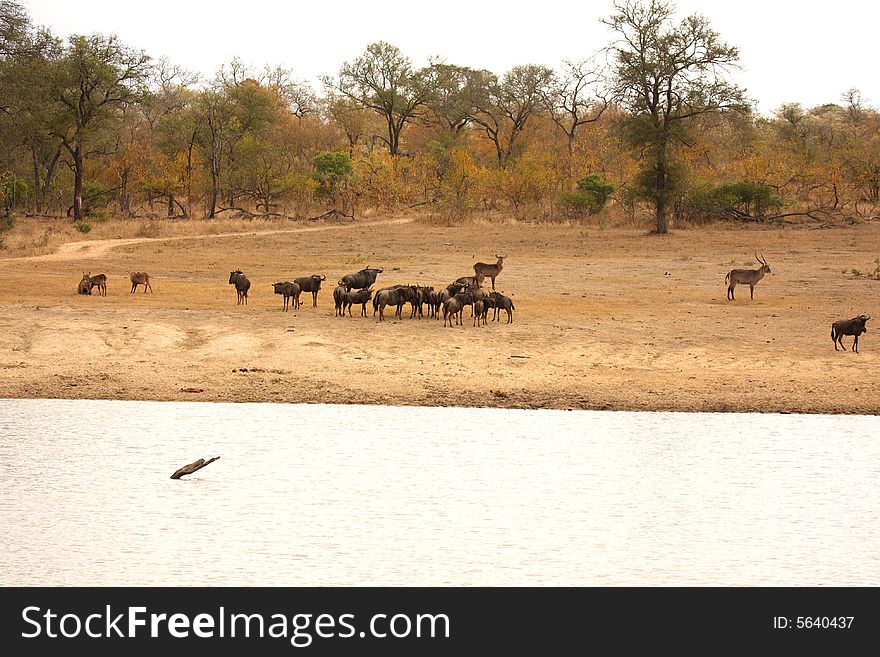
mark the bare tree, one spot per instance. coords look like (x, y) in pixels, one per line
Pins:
(383, 79)
(503, 108)
(576, 97)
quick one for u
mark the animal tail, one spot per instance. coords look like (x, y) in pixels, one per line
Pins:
(512, 307)
(727, 279)
(833, 335)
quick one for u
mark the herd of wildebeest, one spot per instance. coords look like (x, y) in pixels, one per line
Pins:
(356, 289)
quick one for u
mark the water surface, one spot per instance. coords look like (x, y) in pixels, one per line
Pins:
(371, 495)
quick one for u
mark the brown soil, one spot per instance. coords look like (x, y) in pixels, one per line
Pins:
(605, 319)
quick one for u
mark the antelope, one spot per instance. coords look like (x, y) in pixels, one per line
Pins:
(140, 278)
(482, 270)
(748, 277)
(98, 281)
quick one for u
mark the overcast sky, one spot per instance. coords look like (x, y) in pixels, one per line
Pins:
(791, 50)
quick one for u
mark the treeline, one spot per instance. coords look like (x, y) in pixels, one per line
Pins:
(91, 127)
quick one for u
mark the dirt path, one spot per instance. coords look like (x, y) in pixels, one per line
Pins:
(93, 249)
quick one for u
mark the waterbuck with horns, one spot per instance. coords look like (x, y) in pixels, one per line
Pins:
(483, 270)
(748, 277)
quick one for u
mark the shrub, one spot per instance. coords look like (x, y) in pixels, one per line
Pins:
(743, 200)
(82, 226)
(591, 196)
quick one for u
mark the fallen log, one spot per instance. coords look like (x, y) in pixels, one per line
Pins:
(192, 467)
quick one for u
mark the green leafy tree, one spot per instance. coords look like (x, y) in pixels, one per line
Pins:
(93, 79)
(668, 73)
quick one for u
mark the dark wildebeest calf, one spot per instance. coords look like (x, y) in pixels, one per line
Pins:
(360, 280)
(140, 278)
(748, 277)
(854, 327)
(360, 296)
(310, 284)
(287, 290)
(242, 285)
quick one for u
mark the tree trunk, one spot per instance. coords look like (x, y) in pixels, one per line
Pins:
(77, 182)
(215, 187)
(38, 185)
(124, 197)
(170, 205)
(661, 190)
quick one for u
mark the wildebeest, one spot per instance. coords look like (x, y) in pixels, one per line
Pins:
(242, 285)
(479, 313)
(287, 290)
(432, 299)
(357, 297)
(85, 285)
(339, 300)
(452, 310)
(854, 327)
(97, 281)
(311, 284)
(748, 277)
(140, 278)
(482, 270)
(360, 280)
(467, 281)
(445, 294)
(393, 297)
(501, 302)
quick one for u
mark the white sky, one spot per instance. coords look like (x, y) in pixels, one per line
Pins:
(792, 51)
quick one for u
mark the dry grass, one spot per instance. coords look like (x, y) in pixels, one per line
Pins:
(605, 318)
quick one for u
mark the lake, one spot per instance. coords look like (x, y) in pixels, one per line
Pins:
(325, 495)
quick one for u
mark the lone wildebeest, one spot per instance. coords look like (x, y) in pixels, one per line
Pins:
(360, 296)
(310, 284)
(140, 278)
(854, 327)
(97, 281)
(288, 290)
(748, 277)
(482, 270)
(360, 280)
(242, 285)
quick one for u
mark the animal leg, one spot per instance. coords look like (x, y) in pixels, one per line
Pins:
(752, 292)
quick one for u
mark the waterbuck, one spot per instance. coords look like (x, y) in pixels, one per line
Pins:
(854, 327)
(242, 285)
(482, 270)
(140, 278)
(360, 280)
(85, 285)
(310, 284)
(99, 281)
(288, 290)
(748, 277)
